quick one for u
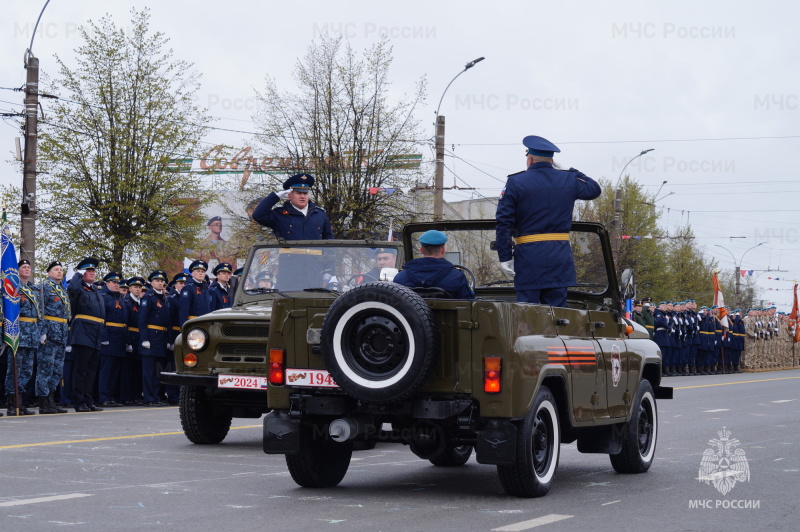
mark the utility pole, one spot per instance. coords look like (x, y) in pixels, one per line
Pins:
(27, 248)
(736, 290)
(438, 180)
(617, 229)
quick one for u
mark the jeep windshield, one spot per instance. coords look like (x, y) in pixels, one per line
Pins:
(336, 266)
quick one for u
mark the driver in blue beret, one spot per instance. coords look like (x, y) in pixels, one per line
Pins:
(535, 209)
(298, 218)
(433, 270)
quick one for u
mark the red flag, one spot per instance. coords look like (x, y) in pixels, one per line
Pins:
(719, 301)
(793, 317)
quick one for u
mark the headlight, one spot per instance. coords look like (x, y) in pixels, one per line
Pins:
(196, 339)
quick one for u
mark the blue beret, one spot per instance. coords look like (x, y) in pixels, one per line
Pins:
(136, 281)
(223, 267)
(378, 251)
(663, 303)
(540, 146)
(299, 182)
(198, 264)
(158, 274)
(113, 276)
(89, 263)
(433, 238)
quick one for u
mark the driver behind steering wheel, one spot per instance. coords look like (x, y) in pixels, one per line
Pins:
(384, 258)
(433, 270)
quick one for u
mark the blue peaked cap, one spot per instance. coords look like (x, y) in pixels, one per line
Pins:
(540, 146)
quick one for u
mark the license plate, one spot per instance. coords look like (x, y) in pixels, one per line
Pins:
(318, 378)
(242, 383)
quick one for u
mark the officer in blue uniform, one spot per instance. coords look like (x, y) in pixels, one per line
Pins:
(661, 337)
(57, 311)
(195, 299)
(433, 270)
(298, 218)
(154, 327)
(535, 208)
(221, 291)
(114, 340)
(130, 393)
(30, 338)
(85, 335)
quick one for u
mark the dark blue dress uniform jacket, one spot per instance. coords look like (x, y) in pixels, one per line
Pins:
(540, 201)
(57, 307)
(661, 325)
(194, 301)
(30, 322)
(133, 337)
(174, 312)
(88, 313)
(289, 223)
(154, 324)
(429, 271)
(116, 329)
(220, 297)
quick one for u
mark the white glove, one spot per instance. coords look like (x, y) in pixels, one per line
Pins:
(43, 338)
(146, 345)
(129, 349)
(282, 194)
(171, 346)
(508, 267)
(104, 343)
(68, 349)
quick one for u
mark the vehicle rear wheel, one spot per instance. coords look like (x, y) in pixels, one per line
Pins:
(640, 434)
(453, 456)
(202, 421)
(538, 450)
(321, 461)
(380, 342)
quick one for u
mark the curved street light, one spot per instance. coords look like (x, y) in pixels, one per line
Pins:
(618, 210)
(466, 67)
(738, 269)
(633, 159)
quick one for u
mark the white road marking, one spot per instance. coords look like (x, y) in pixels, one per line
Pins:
(45, 499)
(532, 523)
(716, 410)
(784, 401)
(612, 502)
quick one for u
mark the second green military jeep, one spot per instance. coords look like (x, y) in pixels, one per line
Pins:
(365, 360)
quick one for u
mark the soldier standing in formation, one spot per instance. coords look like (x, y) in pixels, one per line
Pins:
(57, 312)
(661, 337)
(154, 326)
(30, 338)
(220, 291)
(114, 340)
(195, 300)
(131, 385)
(647, 313)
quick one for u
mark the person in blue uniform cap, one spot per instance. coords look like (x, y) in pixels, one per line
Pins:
(433, 270)
(221, 290)
(298, 218)
(85, 332)
(114, 340)
(195, 300)
(264, 279)
(535, 209)
(154, 326)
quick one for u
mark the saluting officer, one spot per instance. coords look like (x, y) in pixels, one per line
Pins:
(154, 326)
(195, 299)
(131, 386)
(535, 208)
(221, 291)
(298, 218)
(114, 340)
(86, 330)
(30, 338)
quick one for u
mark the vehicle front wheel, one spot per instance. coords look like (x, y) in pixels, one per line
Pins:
(321, 461)
(538, 450)
(639, 434)
(202, 422)
(453, 456)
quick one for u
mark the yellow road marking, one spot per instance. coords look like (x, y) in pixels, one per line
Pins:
(740, 382)
(110, 438)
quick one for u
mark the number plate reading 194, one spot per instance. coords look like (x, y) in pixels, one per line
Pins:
(309, 377)
(241, 382)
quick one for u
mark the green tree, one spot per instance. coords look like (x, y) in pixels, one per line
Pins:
(689, 273)
(342, 126)
(107, 188)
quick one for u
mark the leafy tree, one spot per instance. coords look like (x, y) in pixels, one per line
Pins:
(107, 188)
(342, 127)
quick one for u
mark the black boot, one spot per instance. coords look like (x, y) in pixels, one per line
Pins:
(12, 411)
(54, 406)
(692, 370)
(736, 369)
(45, 407)
(705, 371)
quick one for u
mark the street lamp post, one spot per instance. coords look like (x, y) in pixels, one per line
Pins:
(737, 270)
(438, 181)
(617, 234)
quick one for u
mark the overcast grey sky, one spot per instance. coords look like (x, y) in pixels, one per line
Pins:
(712, 86)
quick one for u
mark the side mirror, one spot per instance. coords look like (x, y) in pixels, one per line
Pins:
(628, 284)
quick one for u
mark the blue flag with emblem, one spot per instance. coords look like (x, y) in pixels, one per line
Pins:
(8, 262)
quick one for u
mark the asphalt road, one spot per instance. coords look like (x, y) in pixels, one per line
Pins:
(132, 469)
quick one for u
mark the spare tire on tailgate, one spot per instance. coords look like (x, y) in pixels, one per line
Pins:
(380, 342)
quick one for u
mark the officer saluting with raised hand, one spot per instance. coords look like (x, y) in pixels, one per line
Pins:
(195, 299)
(86, 331)
(154, 327)
(298, 218)
(535, 208)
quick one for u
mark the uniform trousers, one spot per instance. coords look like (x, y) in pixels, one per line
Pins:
(110, 368)
(84, 372)
(555, 297)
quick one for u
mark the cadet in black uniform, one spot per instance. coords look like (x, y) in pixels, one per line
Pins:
(154, 326)
(114, 340)
(195, 300)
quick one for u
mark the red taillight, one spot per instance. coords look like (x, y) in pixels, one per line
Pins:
(276, 366)
(492, 370)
